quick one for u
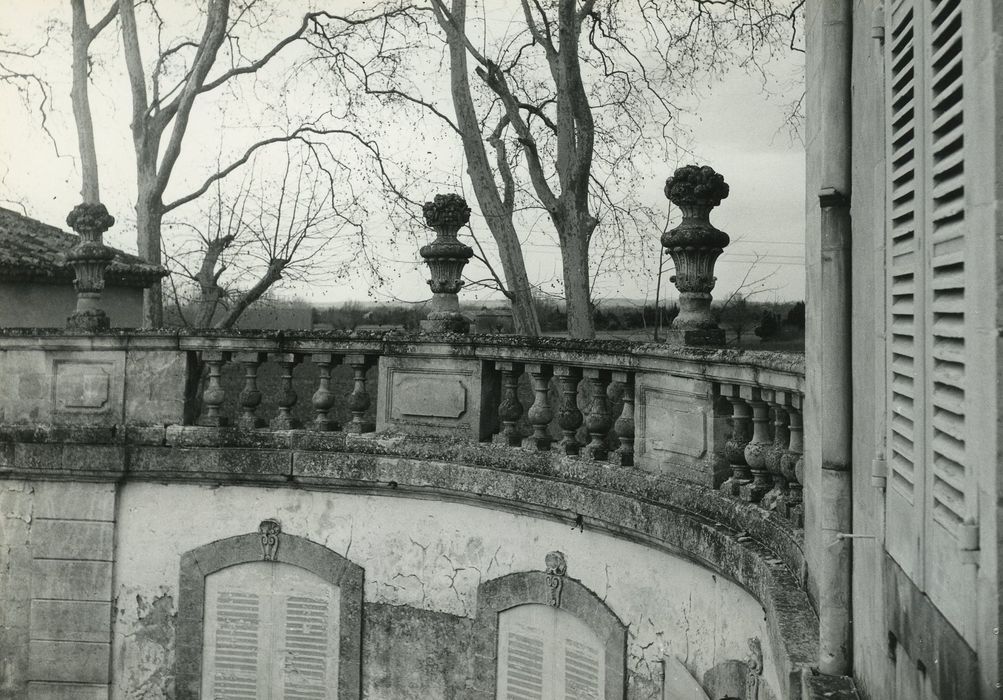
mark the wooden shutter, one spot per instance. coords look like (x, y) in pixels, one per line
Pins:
(271, 632)
(949, 582)
(235, 647)
(545, 653)
(583, 663)
(904, 265)
(524, 653)
(309, 655)
(930, 498)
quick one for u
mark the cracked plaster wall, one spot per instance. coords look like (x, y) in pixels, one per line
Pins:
(423, 561)
(15, 585)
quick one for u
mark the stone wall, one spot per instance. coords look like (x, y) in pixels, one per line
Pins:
(35, 305)
(895, 618)
(423, 561)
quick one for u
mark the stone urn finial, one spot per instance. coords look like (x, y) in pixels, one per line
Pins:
(446, 258)
(694, 246)
(89, 258)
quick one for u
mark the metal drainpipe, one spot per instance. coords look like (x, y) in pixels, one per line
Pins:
(835, 389)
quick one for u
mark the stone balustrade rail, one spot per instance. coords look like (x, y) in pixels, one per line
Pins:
(724, 418)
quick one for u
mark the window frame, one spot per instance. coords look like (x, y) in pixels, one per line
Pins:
(535, 588)
(199, 563)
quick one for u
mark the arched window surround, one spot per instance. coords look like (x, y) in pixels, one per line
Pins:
(268, 544)
(553, 589)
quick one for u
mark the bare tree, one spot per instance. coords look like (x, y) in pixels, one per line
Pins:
(296, 226)
(568, 97)
(166, 92)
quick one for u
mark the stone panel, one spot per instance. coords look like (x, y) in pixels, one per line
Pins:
(81, 386)
(419, 395)
(155, 382)
(70, 620)
(673, 423)
(443, 395)
(675, 426)
(81, 662)
(71, 580)
(74, 501)
(71, 539)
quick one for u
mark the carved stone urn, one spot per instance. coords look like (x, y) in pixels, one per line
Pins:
(694, 246)
(446, 258)
(89, 258)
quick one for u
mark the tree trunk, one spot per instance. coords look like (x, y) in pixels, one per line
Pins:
(81, 37)
(149, 215)
(517, 282)
(575, 266)
(497, 215)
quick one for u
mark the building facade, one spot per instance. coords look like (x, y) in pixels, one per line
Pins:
(904, 191)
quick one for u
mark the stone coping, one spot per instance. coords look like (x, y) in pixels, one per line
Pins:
(758, 550)
(785, 367)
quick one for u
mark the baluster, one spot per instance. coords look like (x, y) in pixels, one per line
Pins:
(792, 462)
(509, 408)
(734, 448)
(540, 413)
(776, 498)
(598, 420)
(287, 397)
(624, 425)
(212, 397)
(323, 398)
(755, 451)
(359, 400)
(568, 415)
(250, 396)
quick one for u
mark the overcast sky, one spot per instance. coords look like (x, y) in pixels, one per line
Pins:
(737, 126)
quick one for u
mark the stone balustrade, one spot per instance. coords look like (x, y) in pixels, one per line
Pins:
(725, 419)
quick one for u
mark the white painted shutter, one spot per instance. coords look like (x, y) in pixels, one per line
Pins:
(309, 656)
(904, 265)
(931, 494)
(235, 648)
(946, 226)
(271, 632)
(524, 653)
(949, 582)
(545, 653)
(582, 670)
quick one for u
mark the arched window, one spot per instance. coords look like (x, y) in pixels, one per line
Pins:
(544, 652)
(266, 616)
(541, 635)
(271, 631)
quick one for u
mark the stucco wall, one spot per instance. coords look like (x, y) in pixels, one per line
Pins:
(33, 305)
(878, 673)
(423, 561)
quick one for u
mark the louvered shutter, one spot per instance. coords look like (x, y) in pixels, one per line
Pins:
(310, 651)
(525, 653)
(904, 265)
(271, 632)
(237, 631)
(930, 495)
(949, 478)
(583, 662)
(235, 665)
(545, 653)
